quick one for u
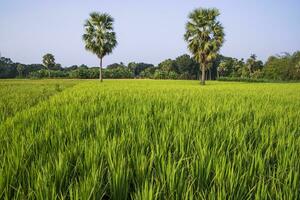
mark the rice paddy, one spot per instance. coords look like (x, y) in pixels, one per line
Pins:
(147, 139)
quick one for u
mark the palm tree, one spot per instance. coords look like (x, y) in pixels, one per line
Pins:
(222, 68)
(99, 36)
(49, 62)
(298, 67)
(20, 69)
(205, 36)
(251, 62)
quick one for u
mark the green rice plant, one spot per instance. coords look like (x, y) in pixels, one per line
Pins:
(16, 95)
(146, 139)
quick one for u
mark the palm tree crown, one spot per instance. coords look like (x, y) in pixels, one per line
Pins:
(204, 35)
(99, 36)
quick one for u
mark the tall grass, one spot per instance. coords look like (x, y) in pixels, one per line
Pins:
(155, 140)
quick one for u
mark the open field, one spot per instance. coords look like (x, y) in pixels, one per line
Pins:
(146, 139)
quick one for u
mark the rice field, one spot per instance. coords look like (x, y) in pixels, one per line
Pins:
(147, 139)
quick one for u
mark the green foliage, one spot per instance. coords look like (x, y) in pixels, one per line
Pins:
(7, 68)
(48, 61)
(20, 69)
(277, 68)
(147, 73)
(40, 74)
(84, 73)
(119, 72)
(138, 68)
(19, 95)
(284, 67)
(99, 36)
(168, 66)
(149, 139)
(48, 74)
(253, 64)
(187, 66)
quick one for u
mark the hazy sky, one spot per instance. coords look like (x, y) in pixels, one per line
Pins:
(147, 30)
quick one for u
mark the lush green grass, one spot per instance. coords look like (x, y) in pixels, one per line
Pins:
(146, 139)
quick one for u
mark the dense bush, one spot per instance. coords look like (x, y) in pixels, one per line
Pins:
(119, 72)
(84, 73)
(43, 73)
(283, 67)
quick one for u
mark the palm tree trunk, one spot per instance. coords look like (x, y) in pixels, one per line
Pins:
(100, 75)
(203, 75)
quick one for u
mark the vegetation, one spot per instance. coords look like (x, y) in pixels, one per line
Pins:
(18, 95)
(48, 62)
(125, 139)
(99, 36)
(277, 68)
(204, 35)
(129, 139)
(283, 67)
(150, 140)
(20, 69)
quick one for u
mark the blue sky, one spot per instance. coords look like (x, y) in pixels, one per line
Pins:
(147, 31)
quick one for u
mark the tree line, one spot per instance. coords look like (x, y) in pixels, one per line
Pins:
(204, 36)
(285, 67)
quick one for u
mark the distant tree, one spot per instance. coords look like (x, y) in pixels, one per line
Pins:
(115, 65)
(168, 65)
(57, 66)
(223, 68)
(4, 60)
(20, 69)
(160, 74)
(99, 36)
(148, 72)
(186, 66)
(296, 75)
(205, 36)
(7, 68)
(229, 67)
(238, 66)
(120, 72)
(298, 67)
(73, 67)
(278, 68)
(172, 75)
(132, 66)
(251, 62)
(39, 74)
(48, 62)
(83, 66)
(138, 68)
(32, 68)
